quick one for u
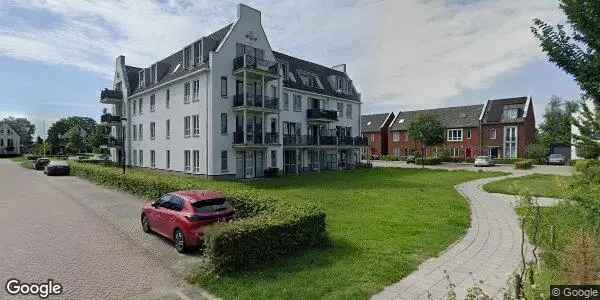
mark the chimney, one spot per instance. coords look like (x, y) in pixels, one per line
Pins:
(247, 11)
(341, 68)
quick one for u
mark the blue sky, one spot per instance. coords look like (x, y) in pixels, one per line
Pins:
(56, 56)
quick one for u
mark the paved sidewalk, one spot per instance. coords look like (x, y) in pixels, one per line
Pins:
(490, 251)
(541, 169)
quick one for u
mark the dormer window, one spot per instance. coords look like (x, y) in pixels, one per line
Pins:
(141, 79)
(153, 74)
(187, 57)
(196, 53)
(284, 71)
(511, 114)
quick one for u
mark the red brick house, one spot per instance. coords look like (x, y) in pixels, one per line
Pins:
(502, 128)
(375, 129)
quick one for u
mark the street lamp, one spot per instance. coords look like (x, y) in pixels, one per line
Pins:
(123, 143)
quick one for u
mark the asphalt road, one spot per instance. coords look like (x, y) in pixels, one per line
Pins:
(85, 237)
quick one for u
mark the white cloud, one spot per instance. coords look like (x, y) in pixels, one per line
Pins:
(402, 54)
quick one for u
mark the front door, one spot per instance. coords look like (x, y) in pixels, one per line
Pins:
(494, 152)
(249, 164)
(510, 142)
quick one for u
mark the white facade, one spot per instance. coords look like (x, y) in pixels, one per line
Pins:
(575, 131)
(10, 140)
(189, 134)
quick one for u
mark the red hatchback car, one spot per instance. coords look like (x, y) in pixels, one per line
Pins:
(182, 216)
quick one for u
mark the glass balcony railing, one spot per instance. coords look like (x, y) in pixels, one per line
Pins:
(316, 113)
(254, 63)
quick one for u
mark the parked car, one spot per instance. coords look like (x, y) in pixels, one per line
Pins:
(57, 168)
(483, 161)
(556, 159)
(182, 216)
(41, 163)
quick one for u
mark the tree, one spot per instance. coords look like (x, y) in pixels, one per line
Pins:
(587, 142)
(576, 51)
(57, 133)
(427, 131)
(24, 128)
(75, 140)
(556, 127)
(98, 138)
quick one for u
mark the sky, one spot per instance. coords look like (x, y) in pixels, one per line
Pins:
(56, 55)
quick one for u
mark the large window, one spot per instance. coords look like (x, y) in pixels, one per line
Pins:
(395, 136)
(455, 135)
(168, 129)
(196, 90)
(134, 160)
(286, 102)
(297, 102)
(152, 130)
(140, 105)
(196, 123)
(492, 133)
(224, 123)
(186, 126)
(134, 132)
(273, 158)
(141, 158)
(223, 160)
(340, 109)
(134, 107)
(152, 102)
(510, 142)
(152, 159)
(511, 114)
(140, 132)
(167, 159)
(224, 86)
(186, 93)
(186, 160)
(196, 160)
(168, 99)
(349, 111)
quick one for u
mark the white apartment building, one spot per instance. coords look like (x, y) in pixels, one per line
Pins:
(10, 139)
(227, 105)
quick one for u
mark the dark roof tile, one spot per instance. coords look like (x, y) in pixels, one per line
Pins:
(450, 117)
(373, 123)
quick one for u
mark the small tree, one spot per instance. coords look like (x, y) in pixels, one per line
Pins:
(427, 131)
(587, 142)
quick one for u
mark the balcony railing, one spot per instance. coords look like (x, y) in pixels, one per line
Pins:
(310, 140)
(272, 138)
(112, 142)
(252, 62)
(271, 102)
(255, 101)
(251, 139)
(316, 113)
(110, 119)
(111, 96)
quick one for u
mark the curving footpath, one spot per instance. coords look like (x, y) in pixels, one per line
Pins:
(490, 251)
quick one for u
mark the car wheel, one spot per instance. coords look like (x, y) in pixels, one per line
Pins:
(146, 224)
(179, 240)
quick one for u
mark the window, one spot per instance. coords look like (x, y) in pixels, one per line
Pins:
(186, 93)
(196, 160)
(196, 90)
(223, 160)
(141, 158)
(395, 136)
(168, 99)
(455, 135)
(196, 53)
(297, 102)
(134, 132)
(273, 158)
(140, 132)
(196, 123)
(284, 71)
(134, 107)
(340, 109)
(406, 136)
(286, 102)
(152, 130)
(468, 135)
(510, 142)
(186, 126)
(224, 86)
(186, 160)
(454, 152)
(511, 114)
(140, 104)
(168, 129)
(141, 79)
(135, 161)
(167, 159)
(492, 133)
(224, 123)
(1, 142)
(349, 111)
(153, 102)
(152, 159)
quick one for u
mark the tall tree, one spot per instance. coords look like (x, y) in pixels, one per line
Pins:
(57, 133)
(98, 137)
(576, 49)
(427, 131)
(556, 127)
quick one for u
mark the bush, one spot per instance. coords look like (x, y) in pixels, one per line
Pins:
(264, 229)
(31, 157)
(524, 164)
(428, 161)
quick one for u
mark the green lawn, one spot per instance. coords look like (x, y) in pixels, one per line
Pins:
(382, 223)
(537, 184)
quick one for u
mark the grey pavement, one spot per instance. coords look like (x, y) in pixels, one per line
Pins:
(541, 169)
(85, 237)
(490, 251)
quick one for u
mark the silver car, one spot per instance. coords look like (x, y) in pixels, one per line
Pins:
(556, 159)
(484, 161)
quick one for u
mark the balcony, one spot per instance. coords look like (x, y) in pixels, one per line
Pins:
(111, 96)
(300, 140)
(256, 65)
(272, 138)
(326, 140)
(112, 142)
(251, 139)
(110, 120)
(255, 102)
(321, 115)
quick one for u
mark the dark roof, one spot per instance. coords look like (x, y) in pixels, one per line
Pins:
(450, 117)
(169, 64)
(494, 111)
(132, 77)
(373, 123)
(324, 73)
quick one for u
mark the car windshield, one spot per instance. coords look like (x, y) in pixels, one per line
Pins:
(556, 155)
(211, 206)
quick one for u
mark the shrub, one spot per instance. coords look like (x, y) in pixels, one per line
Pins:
(428, 161)
(524, 164)
(31, 157)
(264, 229)
(272, 172)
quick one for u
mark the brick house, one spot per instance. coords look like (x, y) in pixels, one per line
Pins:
(375, 129)
(502, 128)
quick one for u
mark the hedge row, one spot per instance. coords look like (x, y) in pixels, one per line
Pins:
(524, 164)
(264, 229)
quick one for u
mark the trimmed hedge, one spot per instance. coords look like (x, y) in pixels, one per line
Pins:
(264, 228)
(524, 164)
